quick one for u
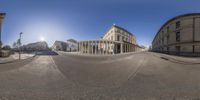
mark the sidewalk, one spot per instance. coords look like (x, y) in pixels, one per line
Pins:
(180, 59)
(15, 57)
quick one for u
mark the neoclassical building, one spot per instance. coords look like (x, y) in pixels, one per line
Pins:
(116, 40)
(59, 46)
(72, 45)
(180, 35)
(2, 15)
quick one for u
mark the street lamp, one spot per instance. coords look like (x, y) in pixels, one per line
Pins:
(2, 15)
(19, 42)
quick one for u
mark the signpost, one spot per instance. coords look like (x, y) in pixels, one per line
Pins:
(19, 42)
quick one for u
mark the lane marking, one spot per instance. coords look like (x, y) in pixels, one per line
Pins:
(56, 67)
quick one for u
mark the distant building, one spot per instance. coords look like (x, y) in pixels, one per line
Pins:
(116, 40)
(60, 46)
(72, 45)
(180, 35)
(38, 46)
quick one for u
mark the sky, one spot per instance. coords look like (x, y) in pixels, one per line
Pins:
(52, 20)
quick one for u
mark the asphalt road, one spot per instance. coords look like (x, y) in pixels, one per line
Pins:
(136, 76)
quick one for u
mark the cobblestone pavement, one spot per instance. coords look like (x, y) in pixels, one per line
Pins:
(135, 76)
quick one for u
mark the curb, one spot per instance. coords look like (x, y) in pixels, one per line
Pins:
(174, 60)
(16, 60)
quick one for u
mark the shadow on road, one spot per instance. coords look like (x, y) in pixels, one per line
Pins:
(46, 53)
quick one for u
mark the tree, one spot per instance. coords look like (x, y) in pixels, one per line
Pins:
(18, 42)
(14, 45)
(6, 47)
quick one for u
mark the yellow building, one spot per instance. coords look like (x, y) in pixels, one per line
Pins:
(116, 40)
(180, 35)
(2, 15)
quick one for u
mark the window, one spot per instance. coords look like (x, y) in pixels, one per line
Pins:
(178, 24)
(118, 37)
(178, 48)
(168, 29)
(118, 30)
(177, 36)
(111, 37)
(193, 48)
(167, 39)
(168, 49)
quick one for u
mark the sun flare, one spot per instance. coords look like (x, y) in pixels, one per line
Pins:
(42, 39)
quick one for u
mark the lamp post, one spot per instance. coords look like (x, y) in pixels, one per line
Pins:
(2, 15)
(19, 42)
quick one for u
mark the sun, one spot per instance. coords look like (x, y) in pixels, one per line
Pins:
(42, 38)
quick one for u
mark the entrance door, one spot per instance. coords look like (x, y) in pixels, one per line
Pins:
(178, 50)
(118, 48)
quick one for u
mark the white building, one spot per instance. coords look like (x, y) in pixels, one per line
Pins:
(59, 46)
(37, 46)
(72, 45)
(116, 40)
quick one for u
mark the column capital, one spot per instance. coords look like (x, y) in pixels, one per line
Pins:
(2, 15)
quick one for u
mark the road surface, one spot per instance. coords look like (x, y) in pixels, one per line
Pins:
(135, 76)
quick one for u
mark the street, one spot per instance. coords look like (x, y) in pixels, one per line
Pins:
(133, 76)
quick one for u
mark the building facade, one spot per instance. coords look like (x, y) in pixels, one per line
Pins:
(72, 45)
(116, 40)
(180, 35)
(37, 46)
(59, 46)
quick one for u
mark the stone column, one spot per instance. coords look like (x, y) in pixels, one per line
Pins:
(125, 46)
(89, 47)
(106, 47)
(2, 15)
(100, 47)
(81, 47)
(95, 43)
(103, 42)
(92, 48)
(113, 49)
(109, 44)
(121, 47)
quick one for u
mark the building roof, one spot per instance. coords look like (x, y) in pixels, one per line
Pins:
(72, 40)
(2, 15)
(116, 26)
(174, 18)
(122, 29)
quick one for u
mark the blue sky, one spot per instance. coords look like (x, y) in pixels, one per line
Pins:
(88, 19)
